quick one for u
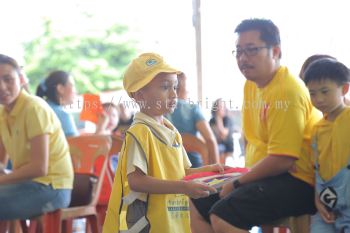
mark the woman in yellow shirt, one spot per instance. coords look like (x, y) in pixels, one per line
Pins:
(31, 136)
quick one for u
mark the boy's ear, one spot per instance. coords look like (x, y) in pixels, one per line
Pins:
(345, 88)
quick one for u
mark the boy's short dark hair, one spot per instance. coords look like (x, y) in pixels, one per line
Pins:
(269, 32)
(327, 68)
(309, 60)
(4, 59)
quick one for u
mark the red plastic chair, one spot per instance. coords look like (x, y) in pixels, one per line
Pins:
(108, 179)
(85, 151)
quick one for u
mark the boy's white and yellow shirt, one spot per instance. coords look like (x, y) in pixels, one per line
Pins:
(157, 150)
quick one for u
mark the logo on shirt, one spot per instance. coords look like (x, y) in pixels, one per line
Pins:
(328, 196)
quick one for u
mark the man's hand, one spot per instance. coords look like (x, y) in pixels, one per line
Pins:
(2, 169)
(226, 189)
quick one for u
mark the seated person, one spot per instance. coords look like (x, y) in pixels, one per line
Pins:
(31, 136)
(58, 89)
(108, 120)
(188, 118)
(222, 126)
(125, 120)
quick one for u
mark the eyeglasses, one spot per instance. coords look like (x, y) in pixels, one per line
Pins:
(250, 51)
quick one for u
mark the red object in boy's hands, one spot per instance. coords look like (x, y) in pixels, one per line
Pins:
(217, 179)
(205, 174)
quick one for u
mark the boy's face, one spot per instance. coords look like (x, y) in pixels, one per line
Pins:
(326, 95)
(159, 96)
(10, 86)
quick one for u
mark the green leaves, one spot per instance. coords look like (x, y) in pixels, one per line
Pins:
(97, 62)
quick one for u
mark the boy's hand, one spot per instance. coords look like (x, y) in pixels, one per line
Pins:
(198, 189)
(327, 216)
(217, 167)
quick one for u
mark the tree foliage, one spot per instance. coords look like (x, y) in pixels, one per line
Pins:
(96, 62)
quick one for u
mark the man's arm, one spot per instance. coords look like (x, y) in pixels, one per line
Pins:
(3, 158)
(3, 154)
(208, 135)
(272, 165)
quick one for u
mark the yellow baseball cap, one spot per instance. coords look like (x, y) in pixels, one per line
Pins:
(143, 69)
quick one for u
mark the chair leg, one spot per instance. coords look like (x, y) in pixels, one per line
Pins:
(267, 229)
(101, 211)
(52, 222)
(4, 225)
(68, 226)
(24, 226)
(92, 221)
(271, 229)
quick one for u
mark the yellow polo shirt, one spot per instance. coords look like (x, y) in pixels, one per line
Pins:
(278, 120)
(31, 117)
(333, 145)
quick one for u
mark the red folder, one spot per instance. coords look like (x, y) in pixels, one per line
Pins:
(92, 108)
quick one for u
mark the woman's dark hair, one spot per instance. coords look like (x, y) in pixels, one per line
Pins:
(48, 87)
(215, 107)
(4, 59)
(327, 69)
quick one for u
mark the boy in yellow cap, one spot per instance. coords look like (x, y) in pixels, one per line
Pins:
(148, 193)
(328, 82)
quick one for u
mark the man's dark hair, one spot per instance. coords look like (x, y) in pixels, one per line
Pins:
(327, 68)
(269, 32)
(4, 59)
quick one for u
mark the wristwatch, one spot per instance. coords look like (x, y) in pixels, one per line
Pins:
(236, 184)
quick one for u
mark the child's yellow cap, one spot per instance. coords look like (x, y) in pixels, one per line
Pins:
(143, 69)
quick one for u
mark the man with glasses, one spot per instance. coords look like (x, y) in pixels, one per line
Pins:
(277, 119)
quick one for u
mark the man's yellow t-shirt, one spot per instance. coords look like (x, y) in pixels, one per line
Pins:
(277, 120)
(30, 117)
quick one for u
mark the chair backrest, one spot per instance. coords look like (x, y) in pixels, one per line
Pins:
(192, 143)
(110, 171)
(86, 151)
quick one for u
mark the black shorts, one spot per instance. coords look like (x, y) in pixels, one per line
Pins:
(261, 202)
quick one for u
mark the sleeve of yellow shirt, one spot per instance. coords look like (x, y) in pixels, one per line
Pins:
(286, 126)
